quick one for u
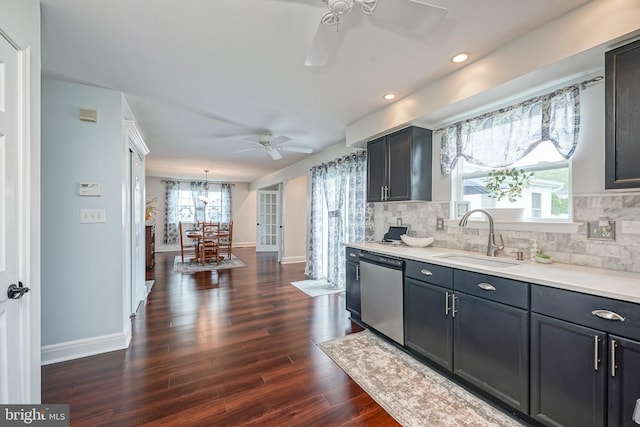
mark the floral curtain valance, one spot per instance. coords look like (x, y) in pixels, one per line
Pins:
(501, 138)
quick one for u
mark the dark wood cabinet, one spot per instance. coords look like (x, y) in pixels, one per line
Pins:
(622, 100)
(150, 246)
(352, 286)
(491, 348)
(624, 381)
(586, 347)
(428, 324)
(399, 166)
(566, 388)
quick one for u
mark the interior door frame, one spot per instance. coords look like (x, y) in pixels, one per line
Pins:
(28, 247)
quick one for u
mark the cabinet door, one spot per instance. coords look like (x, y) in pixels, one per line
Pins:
(399, 163)
(622, 100)
(568, 373)
(624, 381)
(491, 348)
(376, 169)
(352, 292)
(428, 327)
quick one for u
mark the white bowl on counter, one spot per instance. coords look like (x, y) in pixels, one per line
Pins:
(417, 242)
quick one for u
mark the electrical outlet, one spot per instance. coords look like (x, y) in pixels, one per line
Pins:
(399, 222)
(595, 232)
(440, 224)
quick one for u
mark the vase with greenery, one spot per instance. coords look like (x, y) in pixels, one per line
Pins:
(507, 182)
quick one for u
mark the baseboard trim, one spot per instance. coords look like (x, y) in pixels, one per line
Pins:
(77, 349)
(293, 259)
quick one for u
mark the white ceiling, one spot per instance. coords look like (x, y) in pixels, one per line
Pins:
(196, 72)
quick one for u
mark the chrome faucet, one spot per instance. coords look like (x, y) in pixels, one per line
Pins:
(492, 246)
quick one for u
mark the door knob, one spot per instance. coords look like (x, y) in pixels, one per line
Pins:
(16, 292)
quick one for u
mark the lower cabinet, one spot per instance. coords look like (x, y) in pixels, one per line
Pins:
(491, 348)
(481, 340)
(428, 325)
(568, 373)
(352, 285)
(585, 359)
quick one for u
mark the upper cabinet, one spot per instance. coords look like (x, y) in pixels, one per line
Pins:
(622, 99)
(399, 166)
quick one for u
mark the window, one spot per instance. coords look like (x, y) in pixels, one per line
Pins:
(212, 210)
(546, 197)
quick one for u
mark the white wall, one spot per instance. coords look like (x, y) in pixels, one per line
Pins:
(295, 220)
(22, 17)
(82, 264)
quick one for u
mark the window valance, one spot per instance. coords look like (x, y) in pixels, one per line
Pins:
(501, 138)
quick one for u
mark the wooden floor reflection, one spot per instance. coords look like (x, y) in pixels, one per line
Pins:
(231, 348)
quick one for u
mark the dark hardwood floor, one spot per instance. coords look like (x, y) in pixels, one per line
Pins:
(228, 349)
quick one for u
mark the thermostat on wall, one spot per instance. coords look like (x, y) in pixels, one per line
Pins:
(89, 189)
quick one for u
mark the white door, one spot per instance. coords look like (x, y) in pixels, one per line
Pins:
(268, 232)
(15, 333)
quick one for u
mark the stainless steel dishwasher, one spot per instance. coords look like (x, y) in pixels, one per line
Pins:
(381, 294)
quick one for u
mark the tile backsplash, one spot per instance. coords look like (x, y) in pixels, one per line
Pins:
(622, 254)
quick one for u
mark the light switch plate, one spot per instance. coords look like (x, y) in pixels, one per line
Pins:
(439, 224)
(92, 216)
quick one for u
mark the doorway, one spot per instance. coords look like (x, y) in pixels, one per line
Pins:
(268, 232)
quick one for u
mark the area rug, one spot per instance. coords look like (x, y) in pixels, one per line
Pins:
(193, 267)
(316, 288)
(412, 393)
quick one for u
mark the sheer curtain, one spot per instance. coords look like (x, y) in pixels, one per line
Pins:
(338, 196)
(197, 191)
(501, 138)
(225, 208)
(171, 217)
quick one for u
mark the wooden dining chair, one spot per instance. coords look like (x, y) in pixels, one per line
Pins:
(226, 239)
(208, 248)
(186, 244)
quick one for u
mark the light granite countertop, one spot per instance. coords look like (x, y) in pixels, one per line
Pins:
(615, 284)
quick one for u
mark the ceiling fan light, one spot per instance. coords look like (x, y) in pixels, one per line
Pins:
(340, 7)
(460, 57)
(369, 6)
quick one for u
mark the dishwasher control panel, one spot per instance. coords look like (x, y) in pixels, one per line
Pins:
(384, 260)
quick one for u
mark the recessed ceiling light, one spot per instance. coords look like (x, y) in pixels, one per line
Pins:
(460, 57)
(389, 96)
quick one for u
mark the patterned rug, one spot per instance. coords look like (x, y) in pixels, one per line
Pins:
(193, 267)
(409, 391)
(316, 288)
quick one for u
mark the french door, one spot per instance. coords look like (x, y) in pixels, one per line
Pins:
(268, 227)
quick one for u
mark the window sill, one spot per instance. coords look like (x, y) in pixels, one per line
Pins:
(540, 226)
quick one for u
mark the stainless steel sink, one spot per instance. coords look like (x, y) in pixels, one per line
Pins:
(470, 259)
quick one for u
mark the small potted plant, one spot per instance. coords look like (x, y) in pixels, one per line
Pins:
(508, 183)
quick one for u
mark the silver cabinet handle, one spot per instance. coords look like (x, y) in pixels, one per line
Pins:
(453, 305)
(486, 286)
(426, 272)
(358, 272)
(446, 303)
(614, 344)
(608, 315)
(596, 359)
(382, 193)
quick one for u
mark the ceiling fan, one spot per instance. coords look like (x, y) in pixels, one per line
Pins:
(274, 145)
(413, 16)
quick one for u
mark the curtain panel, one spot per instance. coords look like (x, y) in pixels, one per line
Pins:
(171, 217)
(500, 138)
(338, 196)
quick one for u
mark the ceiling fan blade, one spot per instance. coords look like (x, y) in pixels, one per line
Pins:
(280, 140)
(275, 154)
(324, 44)
(410, 15)
(293, 149)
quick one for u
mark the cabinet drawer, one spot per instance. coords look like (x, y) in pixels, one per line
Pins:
(493, 288)
(353, 254)
(578, 308)
(431, 273)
